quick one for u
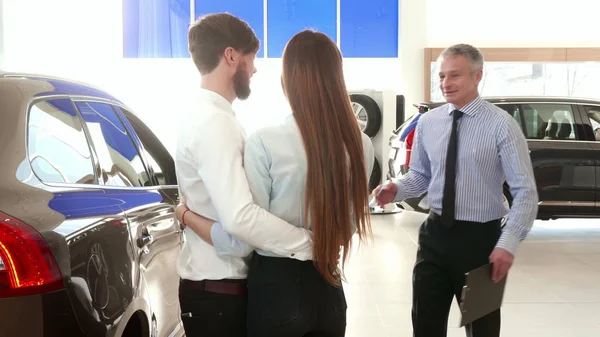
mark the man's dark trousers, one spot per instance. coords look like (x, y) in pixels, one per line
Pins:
(213, 308)
(444, 255)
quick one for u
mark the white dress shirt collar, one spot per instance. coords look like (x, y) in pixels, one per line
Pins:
(216, 99)
(470, 108)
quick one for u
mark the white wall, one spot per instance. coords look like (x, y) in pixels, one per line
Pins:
(413, 41)
(514, 23)
(82, 40)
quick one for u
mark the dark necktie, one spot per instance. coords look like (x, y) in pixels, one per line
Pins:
(449, 198)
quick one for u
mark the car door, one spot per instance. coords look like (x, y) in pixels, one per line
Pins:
(150, 212)
(99, 261)
(563, 161)
(161, 166)
(591, 126)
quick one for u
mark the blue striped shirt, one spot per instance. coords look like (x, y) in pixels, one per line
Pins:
(491, 150)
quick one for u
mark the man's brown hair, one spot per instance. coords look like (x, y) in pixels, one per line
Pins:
(213, 33)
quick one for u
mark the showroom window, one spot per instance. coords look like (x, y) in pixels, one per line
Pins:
(573, 79)
(156, 28)
(118, 156)
(57, 146)
(361, 28)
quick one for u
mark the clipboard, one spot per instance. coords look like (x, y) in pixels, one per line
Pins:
(480, 295)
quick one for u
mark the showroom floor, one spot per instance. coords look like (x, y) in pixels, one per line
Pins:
(553, 289)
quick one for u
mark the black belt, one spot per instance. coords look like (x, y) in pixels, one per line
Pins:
(219, 287)
(438, 218)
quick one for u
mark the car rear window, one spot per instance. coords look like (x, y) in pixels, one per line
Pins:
(57, 145)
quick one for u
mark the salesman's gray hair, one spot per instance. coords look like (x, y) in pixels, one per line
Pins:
(472, 54)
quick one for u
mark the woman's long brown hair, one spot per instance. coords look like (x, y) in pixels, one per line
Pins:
(336, 184)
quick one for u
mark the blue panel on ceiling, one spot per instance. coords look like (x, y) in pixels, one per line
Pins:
(285, 18)
(155, 28)
(369, 28)
(251, 11)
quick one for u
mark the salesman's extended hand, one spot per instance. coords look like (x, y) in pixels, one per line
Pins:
(387, 195)
(502, 261)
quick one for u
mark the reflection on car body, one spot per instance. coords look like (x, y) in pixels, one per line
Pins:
(83, 179)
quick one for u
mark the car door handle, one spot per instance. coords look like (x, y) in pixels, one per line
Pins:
(161, 226)
(144, 240)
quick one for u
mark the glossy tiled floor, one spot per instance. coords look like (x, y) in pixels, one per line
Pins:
(553, 289)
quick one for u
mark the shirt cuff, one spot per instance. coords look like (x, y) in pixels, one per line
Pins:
(303, 256)
(222, 241)
(399, 195)
(508, 242)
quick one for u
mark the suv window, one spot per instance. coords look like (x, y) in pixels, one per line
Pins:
(57, 146)
(118, 157)
(594, 116)
(514, 111)
(155, 154)
(548, 121)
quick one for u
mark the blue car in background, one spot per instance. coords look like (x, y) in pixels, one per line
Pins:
(401, 144)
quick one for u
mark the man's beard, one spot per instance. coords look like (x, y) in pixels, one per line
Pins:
(241, 84)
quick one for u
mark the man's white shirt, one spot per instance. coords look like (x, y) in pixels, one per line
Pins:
(211, 177)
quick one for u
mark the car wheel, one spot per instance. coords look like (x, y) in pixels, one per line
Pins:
(367, 114)
(375, 178)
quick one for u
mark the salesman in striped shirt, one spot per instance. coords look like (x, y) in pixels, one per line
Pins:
(463, 153)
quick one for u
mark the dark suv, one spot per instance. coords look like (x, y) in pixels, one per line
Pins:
(88, 237)
(564, 150)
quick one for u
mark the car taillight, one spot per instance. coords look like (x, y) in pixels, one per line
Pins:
(27, 266)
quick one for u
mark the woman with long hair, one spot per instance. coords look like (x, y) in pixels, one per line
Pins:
(311, 171)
